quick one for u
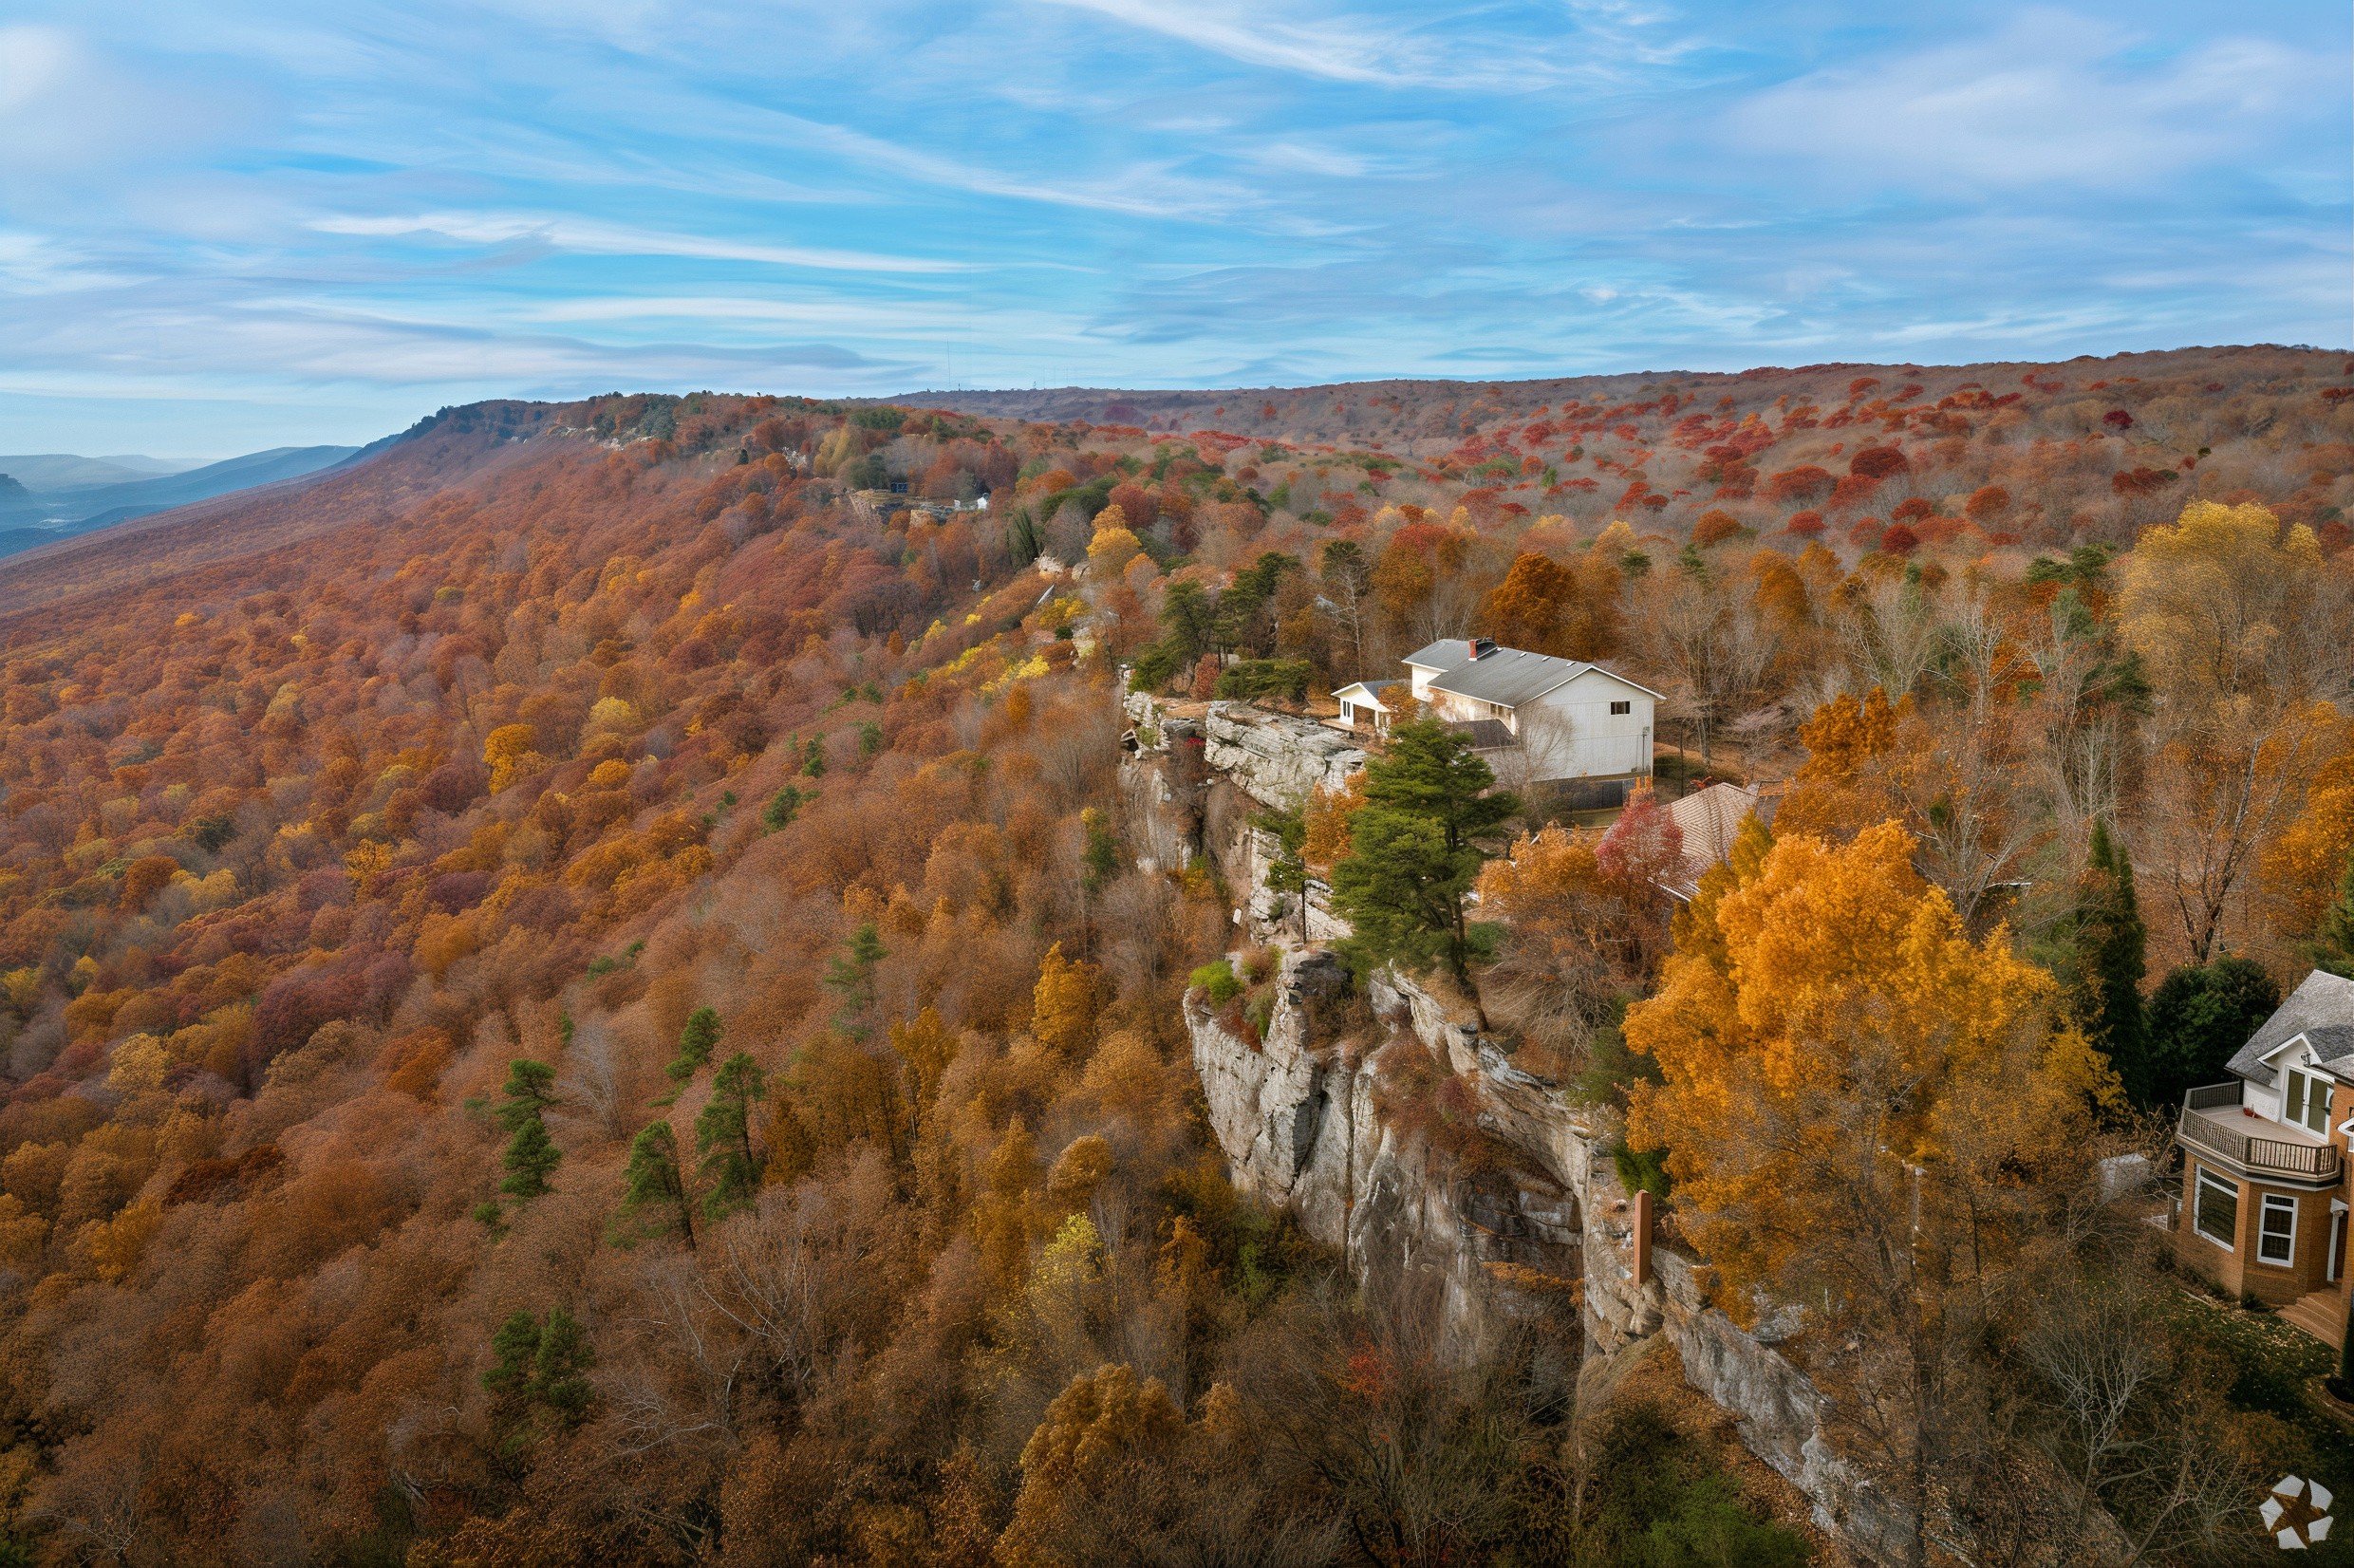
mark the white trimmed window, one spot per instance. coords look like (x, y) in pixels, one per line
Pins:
(2214, 1213)
(2306, 1102)
(2276, 1231)
(1622, 707)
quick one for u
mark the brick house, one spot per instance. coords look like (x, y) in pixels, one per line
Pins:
(2265, 1195)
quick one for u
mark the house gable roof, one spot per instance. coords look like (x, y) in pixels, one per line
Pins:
(2319, 1007)
(2330, 1047)
(1445, 654)
(1508, 676)
(1505, 676)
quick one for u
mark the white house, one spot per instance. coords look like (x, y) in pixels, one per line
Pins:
(1565, 719)
(1362, 706)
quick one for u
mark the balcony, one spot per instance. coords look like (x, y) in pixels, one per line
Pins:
(2215, 1123)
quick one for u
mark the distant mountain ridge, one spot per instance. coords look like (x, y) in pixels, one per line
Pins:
(56, 473)
(30, 515)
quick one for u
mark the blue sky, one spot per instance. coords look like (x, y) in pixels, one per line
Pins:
(243, 224)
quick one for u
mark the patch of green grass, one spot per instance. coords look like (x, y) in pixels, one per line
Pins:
(2277, 1365)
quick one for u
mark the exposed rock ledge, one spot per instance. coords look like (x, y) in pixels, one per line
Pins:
(1276, 758)
(1297, 1118)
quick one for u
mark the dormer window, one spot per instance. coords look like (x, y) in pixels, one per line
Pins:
(2306, 1102)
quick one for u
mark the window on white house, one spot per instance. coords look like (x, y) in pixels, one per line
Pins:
(2276, 1231)
(1621, 707)
(2215, 1212)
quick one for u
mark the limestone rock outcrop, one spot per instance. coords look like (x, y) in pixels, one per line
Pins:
(1299, 1114)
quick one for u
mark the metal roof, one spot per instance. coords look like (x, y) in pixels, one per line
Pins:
(2322, 1003)
(1508, 676)
(1487, 735)
(1445, 654)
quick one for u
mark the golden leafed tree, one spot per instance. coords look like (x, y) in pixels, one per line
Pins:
(1531, 608)
(1840, 786)
(1326, 817)
(2239, 623)
(1064, 1003)
(1870, 1120)
(1841, 997)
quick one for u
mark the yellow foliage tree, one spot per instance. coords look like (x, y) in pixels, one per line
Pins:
(1078, 1170)
(1001, 1213)
(1839, 788)
(22, 1233)
(1871, 1121)
(926, 1047)
(1845, 1035)
(2211, 603)
(1065, 1002)
(1547, 887)
(138, 1066)
(116, 1245)
(1326, 817)
(2241, 630)
(2303, 865)
(1099, 1430)
(1116, 544)
(509, 752)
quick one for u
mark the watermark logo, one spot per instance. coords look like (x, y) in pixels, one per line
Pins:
(2297, 1513)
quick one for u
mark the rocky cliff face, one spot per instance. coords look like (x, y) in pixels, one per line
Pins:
(1178, 761)
(1300, 1119)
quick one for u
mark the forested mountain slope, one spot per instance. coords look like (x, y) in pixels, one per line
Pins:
(581, 992)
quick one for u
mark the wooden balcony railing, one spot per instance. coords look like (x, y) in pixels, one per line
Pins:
(2250, 1150)
(2214, 1095)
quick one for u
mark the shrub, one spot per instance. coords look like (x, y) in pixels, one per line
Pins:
(1286, 678)
(1714, 528)
(1219, 982)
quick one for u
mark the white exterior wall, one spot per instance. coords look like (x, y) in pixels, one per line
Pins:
(1571, 733)
(1462, 710)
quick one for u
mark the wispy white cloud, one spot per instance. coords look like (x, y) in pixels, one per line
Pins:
(589, 238)
(1331, 50)
(2050, 99)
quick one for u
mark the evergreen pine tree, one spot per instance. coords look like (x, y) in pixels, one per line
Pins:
(782, 808)
(537, 1369)
(2110, 942)
(850, 977)
(1287, 872)
(1102, 854)
(1413, 855)
(654, 1198)
(723, 1136)
(2332, 947)
(530, 1156)
(696, 1042)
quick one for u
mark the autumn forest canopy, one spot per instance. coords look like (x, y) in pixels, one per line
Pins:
(596, 988)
